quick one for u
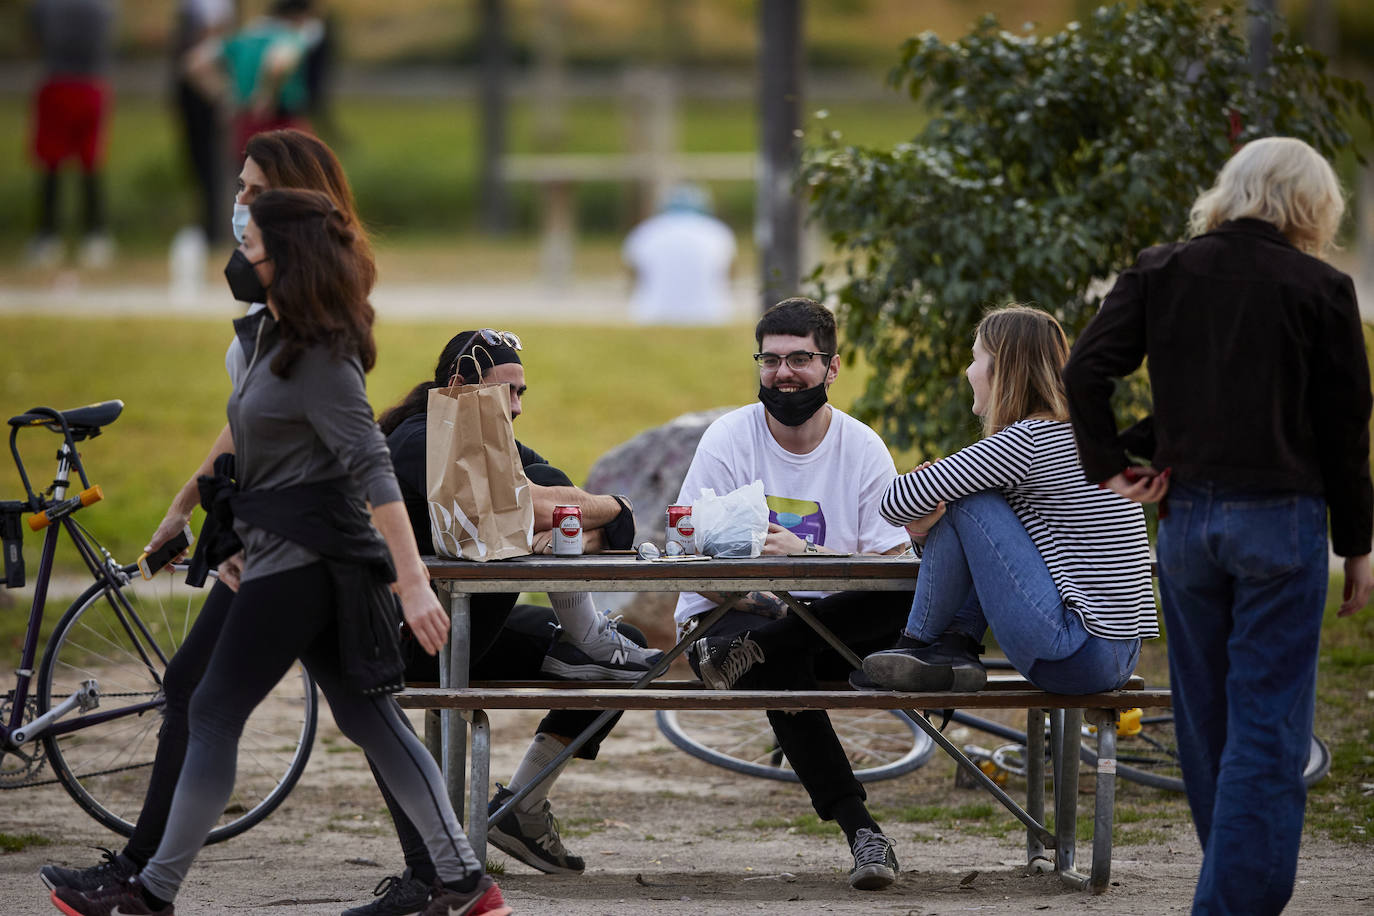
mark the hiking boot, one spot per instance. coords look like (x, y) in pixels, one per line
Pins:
(531, 838)
(122, 899)
(115, 869)
(949, 663)
(483, 900)
(722, 661)
(875, 864)
(606, 655)
(397, 895)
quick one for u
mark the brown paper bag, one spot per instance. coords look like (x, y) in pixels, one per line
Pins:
(480, 506)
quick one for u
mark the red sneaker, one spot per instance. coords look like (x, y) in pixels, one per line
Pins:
(122, 899)
(483, 900)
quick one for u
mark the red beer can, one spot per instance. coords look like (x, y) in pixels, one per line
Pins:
(679, 537)
(567, 531)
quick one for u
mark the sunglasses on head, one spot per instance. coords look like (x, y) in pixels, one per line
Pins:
(492, 337)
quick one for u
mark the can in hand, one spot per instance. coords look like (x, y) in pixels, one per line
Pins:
(567, 531)
(680, 535)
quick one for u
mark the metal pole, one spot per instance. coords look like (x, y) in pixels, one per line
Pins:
(777, 225)
(495, 199)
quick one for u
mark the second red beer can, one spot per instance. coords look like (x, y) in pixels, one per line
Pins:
(567, 531)
(680, 535)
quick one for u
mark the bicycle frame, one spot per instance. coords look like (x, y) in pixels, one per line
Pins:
(106, 572)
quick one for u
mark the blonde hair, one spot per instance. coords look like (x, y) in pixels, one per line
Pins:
(1028, 350)
(1282, 181)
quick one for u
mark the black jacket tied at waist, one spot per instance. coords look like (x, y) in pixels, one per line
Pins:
(321, 518)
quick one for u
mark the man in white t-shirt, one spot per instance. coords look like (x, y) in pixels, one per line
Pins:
(823, 473)
(681, 260)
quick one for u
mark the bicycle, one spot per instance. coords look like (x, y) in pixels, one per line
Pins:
(886, 744)
(96, 710)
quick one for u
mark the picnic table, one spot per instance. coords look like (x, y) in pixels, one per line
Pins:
(458, 703)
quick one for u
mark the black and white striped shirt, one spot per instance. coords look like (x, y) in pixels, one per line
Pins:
(1092, 540)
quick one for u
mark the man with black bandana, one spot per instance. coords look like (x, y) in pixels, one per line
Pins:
(823, 473)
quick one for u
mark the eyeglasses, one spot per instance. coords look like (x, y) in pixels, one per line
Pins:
(797, 360)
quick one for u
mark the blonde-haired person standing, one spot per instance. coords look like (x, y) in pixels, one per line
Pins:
(1012, 537)
(1261, 409)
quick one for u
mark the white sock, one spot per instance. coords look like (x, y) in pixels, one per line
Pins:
(540, 754)
(576, 614)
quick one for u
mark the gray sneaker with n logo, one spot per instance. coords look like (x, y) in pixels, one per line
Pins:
(606, 655)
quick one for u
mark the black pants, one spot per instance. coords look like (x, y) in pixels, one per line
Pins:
(204, 139)
(273, 621)
(184, 672)
(796, 658)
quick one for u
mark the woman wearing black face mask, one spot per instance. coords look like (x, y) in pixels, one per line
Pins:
(311, 462)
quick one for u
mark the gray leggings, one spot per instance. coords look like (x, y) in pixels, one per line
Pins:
(272, 622)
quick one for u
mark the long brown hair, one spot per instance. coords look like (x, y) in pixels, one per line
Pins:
(321, 276)
(294, 159)
(1028, 350)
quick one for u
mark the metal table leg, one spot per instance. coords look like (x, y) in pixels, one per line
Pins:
(1104, 813)
(481, 772)
(453, 672)
(1066, 796)
(1036, 858)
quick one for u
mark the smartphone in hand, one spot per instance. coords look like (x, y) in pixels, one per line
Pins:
(1135, 472)
(150, 564)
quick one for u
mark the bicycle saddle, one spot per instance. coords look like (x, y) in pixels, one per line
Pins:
(82, 421)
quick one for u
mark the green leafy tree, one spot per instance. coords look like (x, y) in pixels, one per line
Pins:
(1047, 165)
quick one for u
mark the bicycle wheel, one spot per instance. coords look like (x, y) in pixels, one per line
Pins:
(881, 744)
(1151, 756)
(123, 642)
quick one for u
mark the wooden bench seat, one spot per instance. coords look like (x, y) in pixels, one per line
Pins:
(531, 696)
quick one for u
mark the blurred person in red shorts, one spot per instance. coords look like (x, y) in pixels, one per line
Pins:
(76, 39)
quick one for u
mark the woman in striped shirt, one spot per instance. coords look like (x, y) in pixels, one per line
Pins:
(1013, 536)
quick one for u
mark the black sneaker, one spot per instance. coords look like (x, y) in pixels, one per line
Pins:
(122, 899)
(397, 895)
(606, 655)
(722, 661)
(483, 900)
(860, 681)
(875, 864)
(531, 838)
(949, 663)
(114, 870)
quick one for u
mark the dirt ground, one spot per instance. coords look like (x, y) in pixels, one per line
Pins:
(666, 834)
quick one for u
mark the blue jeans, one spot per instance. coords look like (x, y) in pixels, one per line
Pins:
(981, 568)
(1243, 578)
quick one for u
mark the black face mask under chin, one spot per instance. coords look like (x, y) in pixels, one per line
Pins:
(792, 408)
(244, 284)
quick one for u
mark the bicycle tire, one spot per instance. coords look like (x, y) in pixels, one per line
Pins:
(880, 744)
(1149, 758)
(105, 767)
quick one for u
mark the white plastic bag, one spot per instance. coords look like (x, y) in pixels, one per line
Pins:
(733, 525)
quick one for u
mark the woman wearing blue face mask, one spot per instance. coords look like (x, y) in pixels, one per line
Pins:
(274, 159)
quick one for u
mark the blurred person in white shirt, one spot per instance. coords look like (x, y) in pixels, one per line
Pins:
(681, 259)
